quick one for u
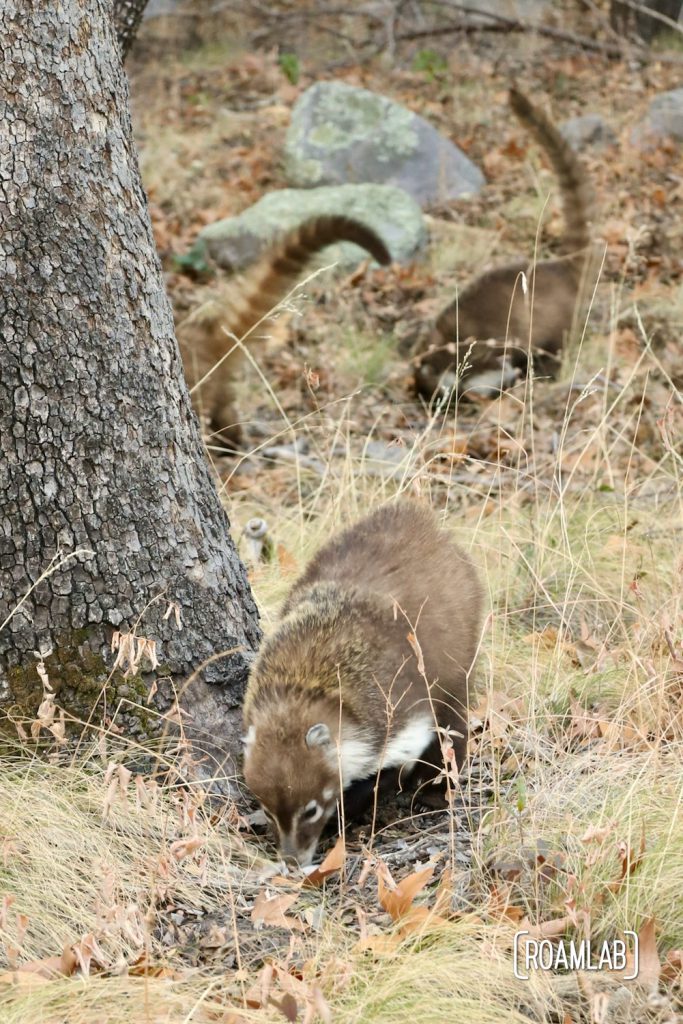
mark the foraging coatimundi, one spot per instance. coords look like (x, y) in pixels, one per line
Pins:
(484, 337)
(207, 336)
(338, 694)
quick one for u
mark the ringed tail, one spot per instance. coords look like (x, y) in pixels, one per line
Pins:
(577, 193)
(266, 283)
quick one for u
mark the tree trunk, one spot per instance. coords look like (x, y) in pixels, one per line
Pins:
(102, 464)
(127, 18)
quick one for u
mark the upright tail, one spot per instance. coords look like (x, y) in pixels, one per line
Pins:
(577, 193)
(264, 285)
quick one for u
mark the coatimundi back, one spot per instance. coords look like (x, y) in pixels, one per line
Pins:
(207, 336)
(337, 693)
(481, 340)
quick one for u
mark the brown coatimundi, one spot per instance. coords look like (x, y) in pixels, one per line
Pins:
(337, 693)
(483, 339)
(208, 335)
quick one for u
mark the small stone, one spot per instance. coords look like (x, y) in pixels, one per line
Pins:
(588, 130)
(664, 120)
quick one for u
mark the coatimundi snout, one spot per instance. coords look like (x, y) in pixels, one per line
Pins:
(211, 357)
(483, 339)
(337, 693)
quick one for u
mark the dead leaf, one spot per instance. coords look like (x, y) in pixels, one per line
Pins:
(398, 899)
(52, 966)
(499, 904)
(418, 919)
(144, 968)
(287, 1006)
(649, 965)
(597, 833)
(182, 848)
(629, 861)
(88, 951)
(271, 911)
(672, 968)
(332, 863)
(546, 929)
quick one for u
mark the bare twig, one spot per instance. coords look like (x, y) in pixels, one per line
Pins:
(503, 23)
(649, 12)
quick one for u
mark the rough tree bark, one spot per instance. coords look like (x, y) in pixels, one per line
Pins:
(101, 451)
(127, 18)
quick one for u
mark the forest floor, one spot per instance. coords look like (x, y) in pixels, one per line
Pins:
(567, 494)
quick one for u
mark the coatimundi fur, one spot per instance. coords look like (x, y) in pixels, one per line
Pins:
(337, 693)
(207, 337)
(481, 340)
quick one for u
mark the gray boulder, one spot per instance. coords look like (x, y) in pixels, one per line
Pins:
(588, 130)
(664, 119)
(342, 134)
(236, 242)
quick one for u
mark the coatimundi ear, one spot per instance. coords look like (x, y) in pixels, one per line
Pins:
(250, 736)
(318, 735)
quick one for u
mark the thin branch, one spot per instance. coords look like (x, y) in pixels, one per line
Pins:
(649, 12)
(501, 24)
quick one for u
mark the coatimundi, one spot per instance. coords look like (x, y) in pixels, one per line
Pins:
(208, 334)
(337, 693)
(483, 338)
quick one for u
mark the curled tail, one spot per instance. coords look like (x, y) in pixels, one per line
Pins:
(207, 335)
(577, 193)
(265, 284)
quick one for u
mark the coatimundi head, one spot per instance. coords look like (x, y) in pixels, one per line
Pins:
(291, 767)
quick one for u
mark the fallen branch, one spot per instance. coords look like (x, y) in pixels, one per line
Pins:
(504, 23)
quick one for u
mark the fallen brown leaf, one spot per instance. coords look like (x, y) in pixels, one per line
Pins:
(649, 965)
(546, 929)
(418, 919)
(332, 863)
(271, 911)
(51, 966)
(182, 848)
(397, 899)
(597, 833)
(672, 968)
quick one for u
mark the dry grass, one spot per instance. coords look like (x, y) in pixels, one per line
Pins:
(568, 496)
(578, 717)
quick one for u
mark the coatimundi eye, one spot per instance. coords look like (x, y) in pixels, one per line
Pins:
(311, 812)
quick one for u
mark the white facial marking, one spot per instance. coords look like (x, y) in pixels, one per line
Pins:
(250, 736)
(311, 813)
(409, 743)
(327, 793)
(289, 847)
(358, 758)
